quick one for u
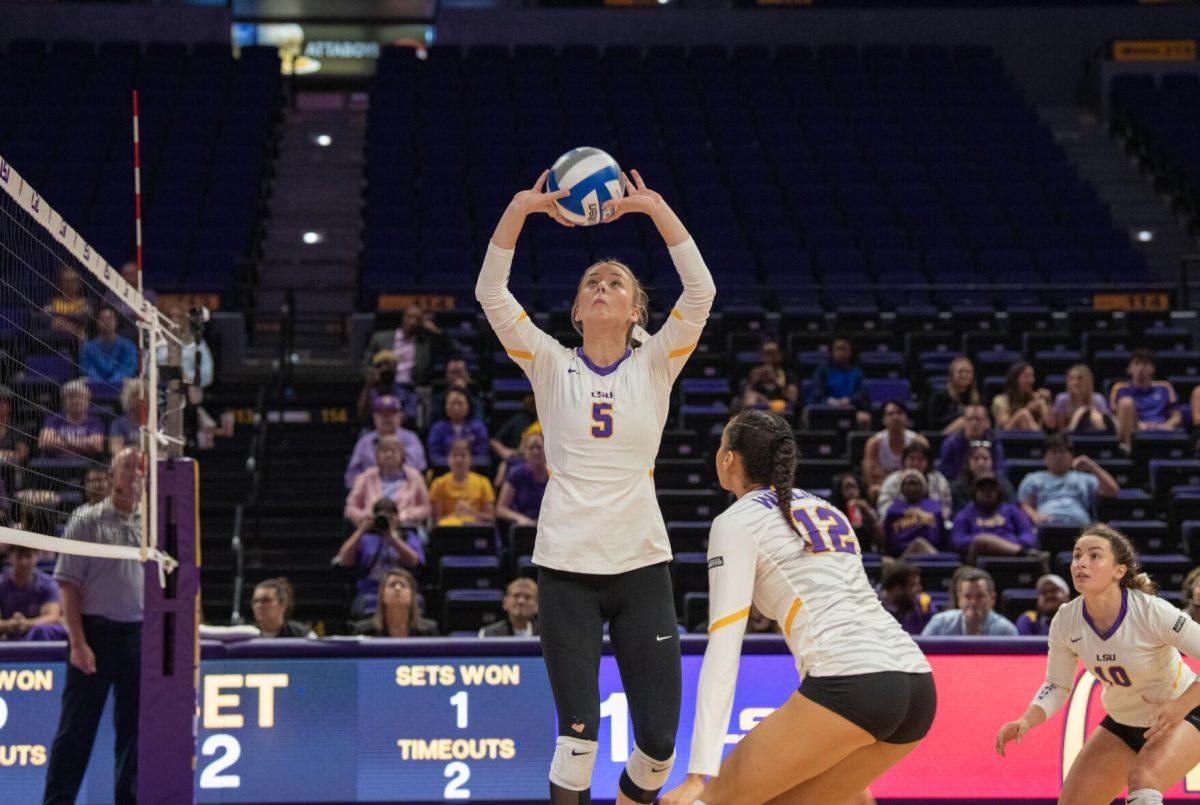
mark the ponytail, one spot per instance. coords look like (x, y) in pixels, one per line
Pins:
(768, 449)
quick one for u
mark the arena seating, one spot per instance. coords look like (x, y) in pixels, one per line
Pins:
(207, 129)
(1161, 120)
(812, 174)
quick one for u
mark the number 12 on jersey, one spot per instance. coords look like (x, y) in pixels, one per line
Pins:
(602, 420)
(826, 530)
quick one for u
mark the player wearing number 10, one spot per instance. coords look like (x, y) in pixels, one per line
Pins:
(602, 550)
(867, 696)
(1130, 640)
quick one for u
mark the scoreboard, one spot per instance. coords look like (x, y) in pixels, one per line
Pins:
(297, 721)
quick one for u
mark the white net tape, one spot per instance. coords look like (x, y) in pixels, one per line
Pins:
(78, 390)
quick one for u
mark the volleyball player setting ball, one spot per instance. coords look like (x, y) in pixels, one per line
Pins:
(1130, 639)
(602, 550)
(867, 697)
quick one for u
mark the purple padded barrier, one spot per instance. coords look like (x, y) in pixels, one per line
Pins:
(170, 660)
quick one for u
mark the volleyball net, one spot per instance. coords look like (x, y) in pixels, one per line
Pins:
(80, 394)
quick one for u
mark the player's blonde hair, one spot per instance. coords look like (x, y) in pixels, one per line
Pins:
(1123, 554)
(641, 300)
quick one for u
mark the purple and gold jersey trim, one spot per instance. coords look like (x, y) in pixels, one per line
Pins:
(728, 619)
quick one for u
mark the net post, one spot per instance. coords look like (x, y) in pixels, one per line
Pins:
(170, 644)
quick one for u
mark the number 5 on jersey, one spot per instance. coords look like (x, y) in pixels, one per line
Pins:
(602, 420)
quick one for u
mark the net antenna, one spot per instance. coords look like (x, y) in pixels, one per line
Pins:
(71, 398)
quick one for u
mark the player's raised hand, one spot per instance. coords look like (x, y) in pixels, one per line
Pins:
(1012, 731)
(637, 198)
(535, 199)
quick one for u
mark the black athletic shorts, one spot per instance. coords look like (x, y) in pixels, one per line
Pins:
(895, 707)
(1135, 737)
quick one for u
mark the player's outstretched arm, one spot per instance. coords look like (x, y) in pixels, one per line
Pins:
(521, 339)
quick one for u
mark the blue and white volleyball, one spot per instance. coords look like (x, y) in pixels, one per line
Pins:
(593, 177)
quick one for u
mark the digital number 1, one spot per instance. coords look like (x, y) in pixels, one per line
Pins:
(459, 701)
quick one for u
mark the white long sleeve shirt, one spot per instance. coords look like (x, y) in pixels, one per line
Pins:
(602, 425)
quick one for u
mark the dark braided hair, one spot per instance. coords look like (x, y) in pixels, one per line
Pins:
(768, 449)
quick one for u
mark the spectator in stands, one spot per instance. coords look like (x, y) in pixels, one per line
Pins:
(770, 385)
(1191, 594)
(1080, 409)
(991, 526)
(1143, 403)
(391, 478)
(70, 310)
(882, 454)
(196, 370)
(462, 497)
(917, 456)
(272, 604)
(399, 611)
(102, 602)
(520, 606)
(840, 382)
(458, 376)
(97, 484)
(521, 495)
(947, 407)
(506, 442)
(416, 343)
(977, 428)
(902, 595)
(196, 360)
(382, 541)
(379, 379)
(109, 358)
(14, 445)
(913, 523)
(1065, 492)
(979, 465)
(126, 430)
(1052, 593)
(388, 421)
(1021, 406)
(847, 497)
(76, 431)
(457, 426)
(975, 599)
(29, 600)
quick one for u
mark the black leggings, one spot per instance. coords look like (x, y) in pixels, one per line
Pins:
(639, 607)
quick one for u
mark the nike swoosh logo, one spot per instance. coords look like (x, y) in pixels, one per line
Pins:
(656, 771)
(573, 752)
(1076, 639)
(572, 371)
(664, 637)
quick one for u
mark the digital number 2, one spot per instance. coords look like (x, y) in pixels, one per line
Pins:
(602, 420)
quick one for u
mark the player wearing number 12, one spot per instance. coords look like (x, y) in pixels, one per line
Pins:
(1130, 640)
(602, 550)
(867, 696)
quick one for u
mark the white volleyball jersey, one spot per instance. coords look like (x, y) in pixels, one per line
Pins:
(1137, 656)
(815, 588)
(602, 425)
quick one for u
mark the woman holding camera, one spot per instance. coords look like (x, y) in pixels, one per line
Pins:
(379, 544)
